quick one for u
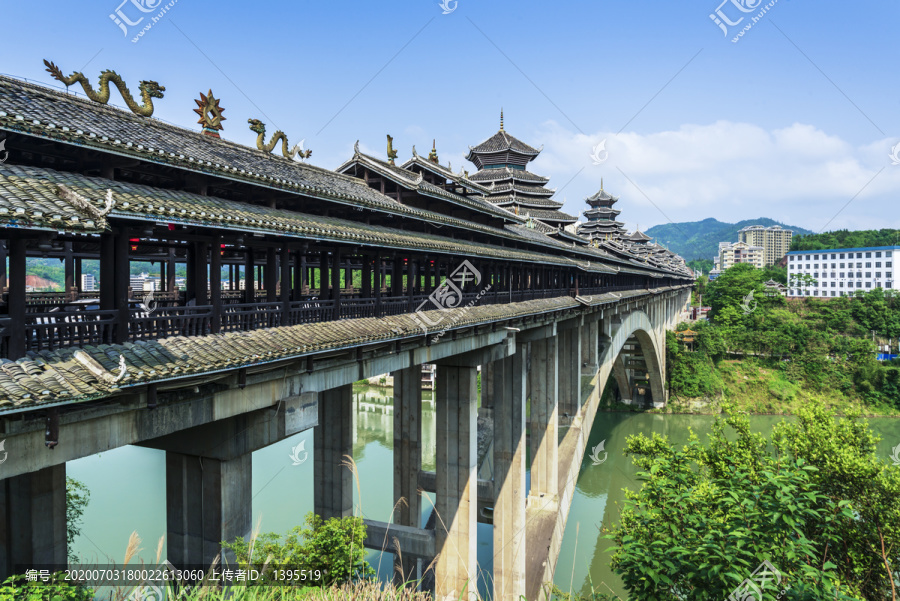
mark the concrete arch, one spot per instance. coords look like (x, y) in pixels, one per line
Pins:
(618, 330)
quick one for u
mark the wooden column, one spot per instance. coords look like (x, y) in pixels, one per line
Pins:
(285, 285)
(121, 282)
(215, 284)
(271, 275)
(3, 284)
(69, 270)
(412, 274)
(336, 283)
(299, 275)
(107, 271)
(78, 274)
(171, 272)
(379, 279)
(366, 291)
(16, 300)
(249, 277)
(323, 275)
(397, 278)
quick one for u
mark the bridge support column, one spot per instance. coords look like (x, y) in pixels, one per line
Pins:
(570, 372)
(544, 419)
(407, 462)
(509, 386)
(456, 531)
(487, 386)
(333, 441)
(589, 347)
(34, 528)
(207, 502)
(622, 380)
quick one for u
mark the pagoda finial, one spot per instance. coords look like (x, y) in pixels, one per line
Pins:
(601, 184)
(501, 119)
(433, 155)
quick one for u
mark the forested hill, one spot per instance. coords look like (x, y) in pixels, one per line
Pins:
(700, 239)
(846, 239)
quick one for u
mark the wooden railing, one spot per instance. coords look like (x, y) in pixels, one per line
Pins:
(51, 330)
(51, 323)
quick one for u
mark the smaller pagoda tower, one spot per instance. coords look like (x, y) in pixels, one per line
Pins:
(601, 217)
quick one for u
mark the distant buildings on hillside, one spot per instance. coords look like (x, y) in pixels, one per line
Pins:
(757, 245)
(841, 271)
(775, 241)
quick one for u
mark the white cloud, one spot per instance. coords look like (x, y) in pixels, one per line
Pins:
(731, 171)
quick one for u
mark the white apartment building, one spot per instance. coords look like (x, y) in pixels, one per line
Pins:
(731, 254)
(775, 241)
(842, 271)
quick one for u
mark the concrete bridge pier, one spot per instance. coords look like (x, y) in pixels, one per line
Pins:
(34, 529)
(333, 488)
(209, 475)
(407, 465)
(589, 345)
(569, 379)
(509, 389)
(544, 375)
(456, 533)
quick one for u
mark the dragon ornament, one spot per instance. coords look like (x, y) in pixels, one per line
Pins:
(260, 128)
(149, 89)
(391, 153)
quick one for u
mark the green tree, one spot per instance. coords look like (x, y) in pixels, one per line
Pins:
(334, 547)
(816, 503)
(77, 498)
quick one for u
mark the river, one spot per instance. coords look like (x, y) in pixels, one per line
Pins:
(128, 487)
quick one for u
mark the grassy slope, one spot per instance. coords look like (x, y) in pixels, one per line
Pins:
(757, 388)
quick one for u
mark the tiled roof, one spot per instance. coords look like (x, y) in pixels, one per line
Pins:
(502, 173)
(601, 196)
(415, 181)
(501, 142)
(553, 216)
(74, 375)
(530, 201)
(46, 113)
(29, 201)
(176, 206)
(461, 179)
(528, 190)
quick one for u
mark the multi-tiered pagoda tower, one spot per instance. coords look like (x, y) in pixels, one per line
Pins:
(501, 162)
(601, 217)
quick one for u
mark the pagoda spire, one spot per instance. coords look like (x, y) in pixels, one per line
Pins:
(501, 119)
(433, 155)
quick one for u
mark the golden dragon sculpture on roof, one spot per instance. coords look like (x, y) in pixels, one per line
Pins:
(149, 89)
(260, 128)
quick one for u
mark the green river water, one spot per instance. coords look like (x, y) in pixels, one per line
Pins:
(128, 487)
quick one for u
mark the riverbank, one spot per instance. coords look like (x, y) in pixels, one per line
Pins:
(756, 387)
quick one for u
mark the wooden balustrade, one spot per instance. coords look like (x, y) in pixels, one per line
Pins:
(52, 323)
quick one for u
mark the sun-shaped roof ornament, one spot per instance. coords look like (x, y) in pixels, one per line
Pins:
(210, 114)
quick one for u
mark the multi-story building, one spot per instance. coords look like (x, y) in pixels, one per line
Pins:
(775, 241)
(841, 271)
(88, 283)
(739, 252)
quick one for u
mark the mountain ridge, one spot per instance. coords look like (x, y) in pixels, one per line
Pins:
(700, 239)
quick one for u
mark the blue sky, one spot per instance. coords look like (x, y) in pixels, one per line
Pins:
(792, 121)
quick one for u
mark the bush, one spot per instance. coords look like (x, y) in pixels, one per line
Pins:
(334, 547)
(17, 588)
